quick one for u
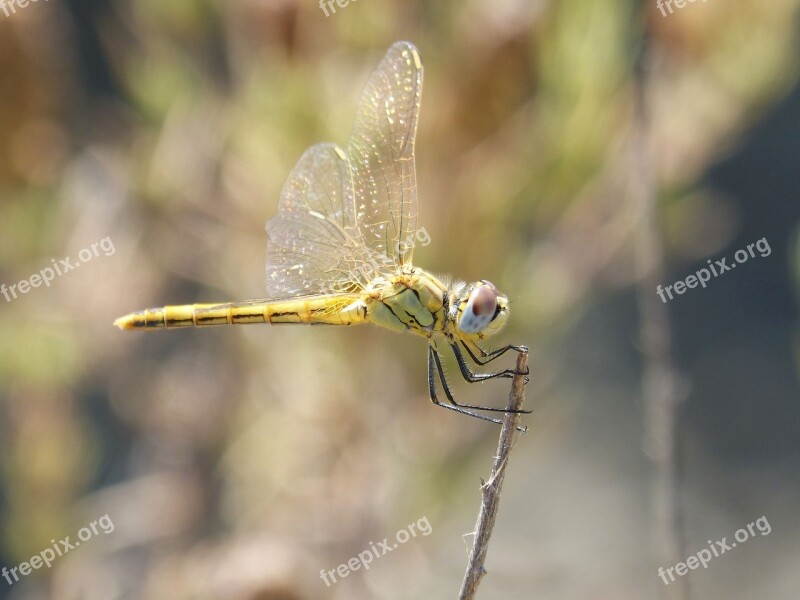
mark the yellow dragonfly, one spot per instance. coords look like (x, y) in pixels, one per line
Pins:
(339, 250)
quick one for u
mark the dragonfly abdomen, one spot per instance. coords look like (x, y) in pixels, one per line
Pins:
(336, 310)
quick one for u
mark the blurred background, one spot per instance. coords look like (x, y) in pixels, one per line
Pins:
(576, 153)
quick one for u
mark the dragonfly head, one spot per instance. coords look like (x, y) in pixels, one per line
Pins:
(481, 309)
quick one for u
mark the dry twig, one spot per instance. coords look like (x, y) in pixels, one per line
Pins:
(491, 489)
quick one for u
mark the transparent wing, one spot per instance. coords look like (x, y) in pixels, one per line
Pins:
(381, 152)
(346, 218)
(314, 246)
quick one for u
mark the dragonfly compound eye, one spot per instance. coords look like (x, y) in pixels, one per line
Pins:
(480, 310)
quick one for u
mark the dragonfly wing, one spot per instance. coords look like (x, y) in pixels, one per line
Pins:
(314, 245)
(381, 152)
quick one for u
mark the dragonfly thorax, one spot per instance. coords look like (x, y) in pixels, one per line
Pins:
(416, 301)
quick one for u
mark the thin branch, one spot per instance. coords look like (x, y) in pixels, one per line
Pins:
(663, 389)
(491, 489)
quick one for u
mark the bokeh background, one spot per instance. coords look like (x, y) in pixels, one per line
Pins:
(576, 153)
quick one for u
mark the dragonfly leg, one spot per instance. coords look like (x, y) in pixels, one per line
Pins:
(434, 361)
(475, 377)
(434, 366)
(481, 357)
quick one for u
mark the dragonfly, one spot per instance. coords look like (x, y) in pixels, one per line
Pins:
(339, 250)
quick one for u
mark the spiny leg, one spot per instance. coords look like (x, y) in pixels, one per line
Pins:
(487, 357)
(434, 364)
(434, 356)
(475, 377)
